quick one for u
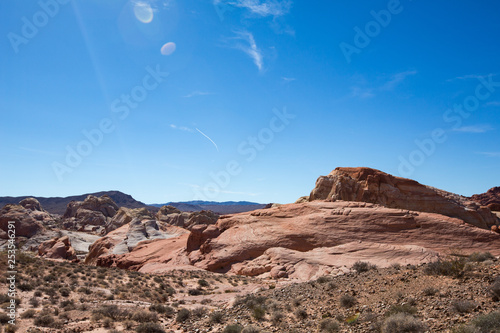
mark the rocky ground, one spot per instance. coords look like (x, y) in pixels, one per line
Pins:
(56, 296)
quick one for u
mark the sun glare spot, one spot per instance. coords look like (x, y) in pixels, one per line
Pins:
(143, 12)
(168, 48)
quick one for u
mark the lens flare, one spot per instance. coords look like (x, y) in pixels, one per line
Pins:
(143, 12)
(168, 48)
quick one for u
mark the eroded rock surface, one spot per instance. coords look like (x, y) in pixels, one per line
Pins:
(374, 186)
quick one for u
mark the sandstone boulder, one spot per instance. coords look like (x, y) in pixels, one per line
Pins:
(374, 186)
(126, 215)
(491, 198)
(173, 216)
(57, 248)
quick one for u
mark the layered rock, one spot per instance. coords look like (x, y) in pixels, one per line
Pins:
(374, 186)
(93, 211)
(127, 237)
(57, 248)
(304, 229)
(173, 216)
(491, 198)
(126, 215)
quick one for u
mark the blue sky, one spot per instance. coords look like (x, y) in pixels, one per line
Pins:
(173, 100)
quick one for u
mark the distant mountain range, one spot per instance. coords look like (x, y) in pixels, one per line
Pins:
(226, 207)
(57, 205)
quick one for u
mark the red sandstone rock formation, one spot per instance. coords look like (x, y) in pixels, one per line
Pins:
(57, 248)
(491, 198)
(374, 186)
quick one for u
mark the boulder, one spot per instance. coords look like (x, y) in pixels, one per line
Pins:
(25, 224)
(374, 186)
(126, 215)
(92, 211)
(491, 198)
(57, 248)
(31, 204)
(173, 216)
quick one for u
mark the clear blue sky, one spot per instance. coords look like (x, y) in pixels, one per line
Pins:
(267, 95)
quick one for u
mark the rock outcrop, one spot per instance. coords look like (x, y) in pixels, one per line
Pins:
(57, 248)
(491, 198)
(26, 225)
(126, 215)
(174, 216)
(374, 186)
(93, 211)
(127, 237)
(250, 243)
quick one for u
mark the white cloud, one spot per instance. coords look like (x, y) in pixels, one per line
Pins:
(250, 48)
(181, 128)
(198, 93)
(289, 79)
(471, 76)
(262, 8)
(474, 129)
(397, 79)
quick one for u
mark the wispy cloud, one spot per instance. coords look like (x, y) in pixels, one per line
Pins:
(198, 93)
(250, 48)
(490, 154)
(396, 79)
(261, 8)
(474, 129)
(288, 79)
(364, 90)
(181, 128)
(206, 136)
(471, 76)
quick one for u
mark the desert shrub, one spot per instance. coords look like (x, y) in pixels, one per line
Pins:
(277, 317)
(323, 279)
(401, 308)
(362, 266)
(453, 267)
(110, 311)
(107, 323)
(25, 286)
(402, 322)
(396, 266)
(251, 301)
(128, 324)
(199, 312)
(234, 328)
(250, 329)
(463, 306)
(10, 328)
(64, 292)
(37, 293)
(150, 328)
(488, 323)
(162, 309)
(301, 313)
(203, 283)
(183, 315)
(216, 317)
(4, 318)
(195, 292)
(480, 256)
(144, 316)
(329, 325)
(44, 320)
(30, 313)
(430, 291)
(347, 301)
(495, 289)
(258, 312)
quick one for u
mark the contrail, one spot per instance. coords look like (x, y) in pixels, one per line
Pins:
(206, 136)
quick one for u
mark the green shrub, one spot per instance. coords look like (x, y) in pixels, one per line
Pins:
(195, 292)
(488, 323)
(4, 318)
(401, 323)
(258, 312)
(277, 317)
(401, 308)
(430, 291)
(203, 283)
(30, 313)
(250, 329)
(301, 314)
(44, 320)
(463, 306)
